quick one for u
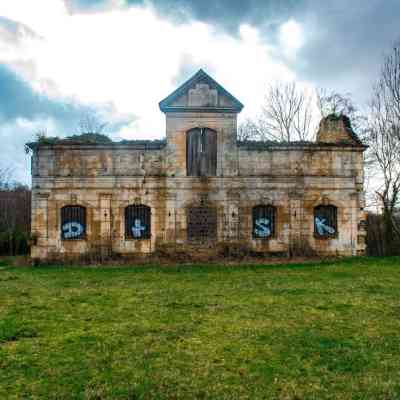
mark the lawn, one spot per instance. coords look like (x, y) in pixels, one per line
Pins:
(314, 331)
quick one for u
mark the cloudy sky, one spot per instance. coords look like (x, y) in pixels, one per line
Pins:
(63, 59)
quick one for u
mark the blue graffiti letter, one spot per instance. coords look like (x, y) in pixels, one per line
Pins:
(137, 229)
(262, 229)
(322, 228)
(72, 230)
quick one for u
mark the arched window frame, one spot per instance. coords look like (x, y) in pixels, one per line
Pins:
(201, 152)
(142, 230)
(328, 216)
(73, 222)
(262, 211)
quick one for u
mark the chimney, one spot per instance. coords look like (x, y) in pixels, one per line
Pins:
(336, 129)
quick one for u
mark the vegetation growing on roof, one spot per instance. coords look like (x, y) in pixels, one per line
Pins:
(85, 138)
(340, 116)
(91, 138)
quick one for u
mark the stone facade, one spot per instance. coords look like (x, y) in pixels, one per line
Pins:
(293, 179)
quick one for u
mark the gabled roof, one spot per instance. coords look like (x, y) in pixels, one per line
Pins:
(167, 105)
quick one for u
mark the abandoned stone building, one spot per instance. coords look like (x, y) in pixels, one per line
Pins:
(199, 187)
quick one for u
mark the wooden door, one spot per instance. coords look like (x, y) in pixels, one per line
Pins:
(201, 152)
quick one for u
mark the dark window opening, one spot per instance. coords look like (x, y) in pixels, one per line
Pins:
(264, 218)
(202, 224)
(201, 152)
(325, 221)
(137, 222)
(73, 222)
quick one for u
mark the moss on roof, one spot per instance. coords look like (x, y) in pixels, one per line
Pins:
(93, 139)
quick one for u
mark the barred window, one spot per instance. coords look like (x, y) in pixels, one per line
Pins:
(202, 224)
(325, 221)
(137, 222)
(73, 222)
(264, 218)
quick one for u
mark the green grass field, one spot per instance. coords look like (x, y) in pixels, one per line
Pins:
(314, 331)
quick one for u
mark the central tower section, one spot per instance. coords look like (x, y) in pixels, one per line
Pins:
(201, 129)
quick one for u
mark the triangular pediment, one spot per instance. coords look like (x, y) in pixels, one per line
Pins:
(201, 93)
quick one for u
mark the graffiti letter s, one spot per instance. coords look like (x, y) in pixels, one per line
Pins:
(262, 229)
(72, 230)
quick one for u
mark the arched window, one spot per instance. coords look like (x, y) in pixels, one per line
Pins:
(137, 222)
(73, 222)
(201, 152)
(325, 221)
(264, 219)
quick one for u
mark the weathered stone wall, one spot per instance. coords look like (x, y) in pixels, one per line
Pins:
(97, 161)
(302, 160)
(333, 177)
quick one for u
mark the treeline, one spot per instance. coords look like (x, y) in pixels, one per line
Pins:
(378, 242)
(15, 220)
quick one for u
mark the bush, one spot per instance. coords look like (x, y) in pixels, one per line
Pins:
(14, 243)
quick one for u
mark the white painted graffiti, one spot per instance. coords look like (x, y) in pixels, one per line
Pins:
(262, 227)
(322, 228)
(138, 228)
(72, 230)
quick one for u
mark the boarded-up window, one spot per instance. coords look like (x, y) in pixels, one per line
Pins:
(201, 152)
(264, 218)
(325, 221)
(202, 224)
(73, 222)
(137, 222)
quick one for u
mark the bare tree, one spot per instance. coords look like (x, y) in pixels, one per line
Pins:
(7, 181)
(248, 130)
(389, 82)
(90, 123)
(332, 102)
(384, 141)
(287, 114)
(15, 207)
(41, 133)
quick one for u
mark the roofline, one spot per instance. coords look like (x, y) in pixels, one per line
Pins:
(270, 146)
(258, 146)
(112, 145)
(164, 104)
(183, 109)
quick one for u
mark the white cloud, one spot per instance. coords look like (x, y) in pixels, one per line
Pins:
(291, 37)
(129, 57)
